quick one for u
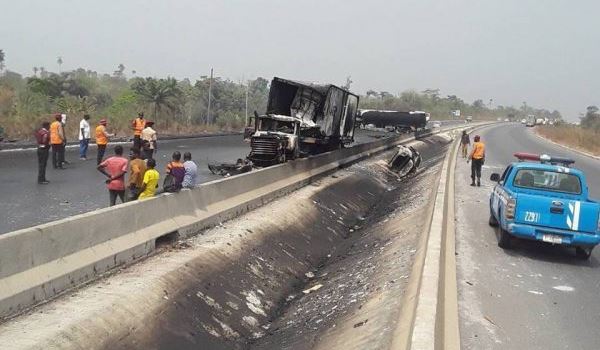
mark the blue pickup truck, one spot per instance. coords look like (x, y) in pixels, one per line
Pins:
(543, 198)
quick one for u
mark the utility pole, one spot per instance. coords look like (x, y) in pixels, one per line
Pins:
(247, 87)
(209, 96)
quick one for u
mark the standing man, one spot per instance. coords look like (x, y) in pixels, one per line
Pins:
(57, 139)
(137, 169)
(101, 140)
(84, 136)
(465, 141)
(43, 140)
(138, 125)
(63, 122)
(191, 171)
(149, 140)
(478, 158)
(115, 168)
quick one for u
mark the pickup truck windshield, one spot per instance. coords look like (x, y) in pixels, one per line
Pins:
(547, 180)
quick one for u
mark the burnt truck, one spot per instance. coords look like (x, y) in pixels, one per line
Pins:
(396, 120)
(301, 119)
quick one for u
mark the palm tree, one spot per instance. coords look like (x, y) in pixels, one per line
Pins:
(159, 93)
(59, 60)
(35, 70)
(2, 56)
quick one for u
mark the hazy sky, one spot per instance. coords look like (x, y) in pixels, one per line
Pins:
(545, 52)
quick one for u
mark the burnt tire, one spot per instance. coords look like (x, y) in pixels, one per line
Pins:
(492, 221)
(504, 239)
(583, 253)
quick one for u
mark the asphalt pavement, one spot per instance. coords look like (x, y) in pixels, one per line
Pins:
(80, 187)
(534, 296)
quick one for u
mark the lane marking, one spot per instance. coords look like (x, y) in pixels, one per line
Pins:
(564, 288)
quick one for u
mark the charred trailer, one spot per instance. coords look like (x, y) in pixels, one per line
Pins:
(399, 121)
(302, 119)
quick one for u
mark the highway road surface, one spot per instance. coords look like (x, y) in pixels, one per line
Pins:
(534, 296)
(80, 188)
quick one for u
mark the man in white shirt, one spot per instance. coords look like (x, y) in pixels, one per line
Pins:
(84, 136)
(191, 171)
(148, 139)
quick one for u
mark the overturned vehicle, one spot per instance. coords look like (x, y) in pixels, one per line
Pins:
(405, 161)
(302, 119)
(396, 120)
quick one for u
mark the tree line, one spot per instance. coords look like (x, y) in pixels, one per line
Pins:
(182, 106)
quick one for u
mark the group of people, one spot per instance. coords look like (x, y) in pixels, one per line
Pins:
(476, 157)
(52, 137)
(143, 178)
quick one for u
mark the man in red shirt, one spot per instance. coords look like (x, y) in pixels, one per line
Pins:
(115, 169)
(43, 141)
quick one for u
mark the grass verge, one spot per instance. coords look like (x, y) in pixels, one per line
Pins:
(586, 140)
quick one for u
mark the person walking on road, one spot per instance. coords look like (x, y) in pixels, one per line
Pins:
(57, 139)
(43, 141)
(465, 141)
(137, 168)
(191, 171)
(138, 125)
(477, 157)
(115, 168)
(149, 140)
(150, 182)
(84, 136)
(101, 140)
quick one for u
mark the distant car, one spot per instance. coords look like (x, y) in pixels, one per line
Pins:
(436, 125)
(542, 198)
(468, 119)
(506, 119)
(523, 121)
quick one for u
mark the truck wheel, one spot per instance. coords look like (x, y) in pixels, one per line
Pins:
(504, 241)
(492, 221)
(583, 253)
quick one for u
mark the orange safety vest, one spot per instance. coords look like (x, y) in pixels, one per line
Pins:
(55, 138)
(138, 125)
(101, 138)
(478, 150)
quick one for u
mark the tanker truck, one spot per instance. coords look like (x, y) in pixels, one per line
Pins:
(399, 121)
(301, 119)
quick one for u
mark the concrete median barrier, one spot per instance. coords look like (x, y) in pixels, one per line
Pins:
(40, 262)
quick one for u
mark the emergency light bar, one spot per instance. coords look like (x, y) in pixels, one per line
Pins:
(543, 158)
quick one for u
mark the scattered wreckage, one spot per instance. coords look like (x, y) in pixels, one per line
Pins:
(229, 169)
(304, 119)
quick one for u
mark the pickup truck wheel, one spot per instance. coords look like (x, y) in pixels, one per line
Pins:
(583, 253)
(504, 241)
(492, 221)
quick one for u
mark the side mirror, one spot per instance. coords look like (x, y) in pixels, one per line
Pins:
(495, 177)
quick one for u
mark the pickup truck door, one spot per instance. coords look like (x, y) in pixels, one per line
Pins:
(555, 212)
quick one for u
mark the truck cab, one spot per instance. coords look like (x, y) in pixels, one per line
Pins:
(543, 198)
(274, 139)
